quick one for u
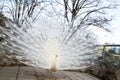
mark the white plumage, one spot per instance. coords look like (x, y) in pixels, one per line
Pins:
(47, 44)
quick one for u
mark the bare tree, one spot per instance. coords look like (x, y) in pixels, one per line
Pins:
(22, 9)
(74, 41)
(78, 8)
(86, 13)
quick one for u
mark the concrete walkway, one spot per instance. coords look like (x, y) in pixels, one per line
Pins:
(30, 73)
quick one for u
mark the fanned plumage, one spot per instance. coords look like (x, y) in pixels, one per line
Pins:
(48, 44)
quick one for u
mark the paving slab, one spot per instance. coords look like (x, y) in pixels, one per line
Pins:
(26, 73)
(30, 73)
(44, 74)
(8, 73)
(79, 76)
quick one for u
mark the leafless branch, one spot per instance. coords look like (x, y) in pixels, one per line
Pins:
(81, 10)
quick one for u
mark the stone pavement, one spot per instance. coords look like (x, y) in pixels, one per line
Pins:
(31, 73)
